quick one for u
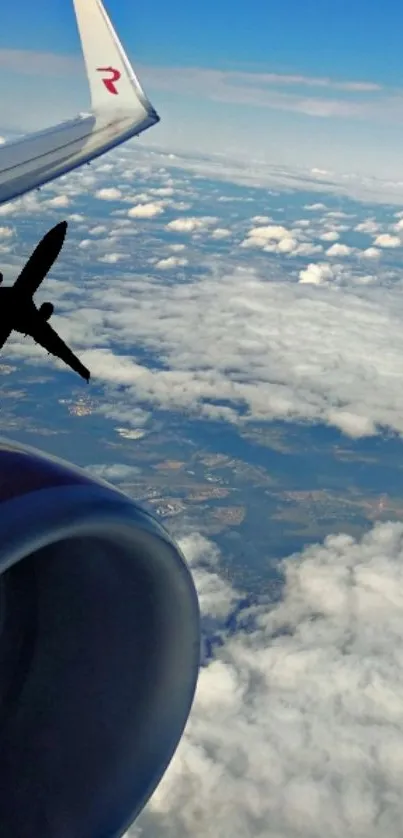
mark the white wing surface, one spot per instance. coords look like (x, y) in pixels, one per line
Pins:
(120, 110)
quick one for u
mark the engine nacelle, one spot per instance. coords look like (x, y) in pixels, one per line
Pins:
(99, 651)
(46, 310)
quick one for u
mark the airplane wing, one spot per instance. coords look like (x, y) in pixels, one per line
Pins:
(41, 260)
(43, 334)
(120, 110)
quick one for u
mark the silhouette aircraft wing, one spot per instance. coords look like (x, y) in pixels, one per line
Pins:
(43, 334)
(41, 260)
(120, 109)
(5, 332)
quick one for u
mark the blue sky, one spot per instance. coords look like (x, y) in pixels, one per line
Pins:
(279, 82)
(347, 39)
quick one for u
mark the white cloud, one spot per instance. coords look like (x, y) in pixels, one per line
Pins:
(112, 258)
(176, 247)
(181, 205)
(278, 239)
(141, 197)
(339, 250)
(146, 210)
(316, 273)
(274, 232)
(114, 472)
(171, 262)
(297, 726)
(339, 214)
(103, 167)
(267, 346)
(109, 193)
(370, 225)
(220, 233)
(314, 207)
(98, 230)
(307, 249)
(285, 245)
(6, 232)
(370, 253)
(273, 239)
(188, 225)
(320, 172)
(318, 350)
(330, 236)
(386, 240)
(58, 201)
(165, 191)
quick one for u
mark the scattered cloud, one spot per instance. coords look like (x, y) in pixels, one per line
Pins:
(112, 258)
(108, 193)
(58, 201)
(98, 230)
(188, 225)
(330, 236)
(370, 225)
(279, 239)
(315, 207)
(171, 262)
(146, 210)
(317, 350)
(370, 253)
(316, 273)
(114, 472)
(6, 232)
(339, 250)
(220, 233)
(386, 240)
(279, 338)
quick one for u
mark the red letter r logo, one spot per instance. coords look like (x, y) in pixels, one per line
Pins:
(110, 83)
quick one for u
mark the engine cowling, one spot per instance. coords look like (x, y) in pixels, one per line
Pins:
(99, 651)
(46, 310)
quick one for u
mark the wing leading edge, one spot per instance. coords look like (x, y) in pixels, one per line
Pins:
(120, 110)
(41, 260)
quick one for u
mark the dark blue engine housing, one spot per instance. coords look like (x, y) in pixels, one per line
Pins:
(99, 651)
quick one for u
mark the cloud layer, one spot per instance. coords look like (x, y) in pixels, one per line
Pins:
(234, 345)
(279, 309)
(297, 726)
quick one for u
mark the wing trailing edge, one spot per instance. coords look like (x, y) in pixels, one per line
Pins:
(120, 110)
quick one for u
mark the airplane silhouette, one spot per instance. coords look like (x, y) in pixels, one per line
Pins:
(18, 311)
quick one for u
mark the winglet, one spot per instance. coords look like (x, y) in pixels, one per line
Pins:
(113, 83)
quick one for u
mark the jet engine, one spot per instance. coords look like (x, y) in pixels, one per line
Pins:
(99, 651)
(46, 310)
